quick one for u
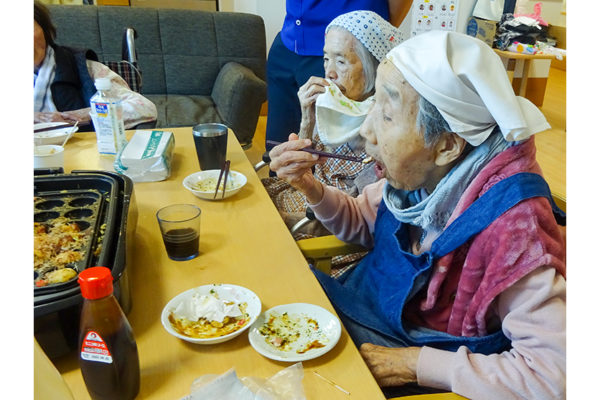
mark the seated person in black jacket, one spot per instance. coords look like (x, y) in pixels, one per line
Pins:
(63, 80)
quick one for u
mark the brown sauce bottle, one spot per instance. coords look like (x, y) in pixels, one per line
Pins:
(108, 354)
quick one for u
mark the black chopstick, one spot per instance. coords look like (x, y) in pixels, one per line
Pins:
(227, 164)
(322, 153)
(61, 126)
(224, 169)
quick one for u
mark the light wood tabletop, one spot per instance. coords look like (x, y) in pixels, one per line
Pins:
(243, 241)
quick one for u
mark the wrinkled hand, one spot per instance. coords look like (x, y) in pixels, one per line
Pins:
(307, 95)
(295, 167)
(81, 115)
(391, 366)
(47, 117)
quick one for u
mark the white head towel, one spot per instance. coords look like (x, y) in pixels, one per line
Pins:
(466, 81)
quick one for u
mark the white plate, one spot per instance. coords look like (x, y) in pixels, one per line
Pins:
(235, 293)
(329, 326)
(236, 178)
(55, 136)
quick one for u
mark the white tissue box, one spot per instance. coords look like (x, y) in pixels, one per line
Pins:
(147, 156)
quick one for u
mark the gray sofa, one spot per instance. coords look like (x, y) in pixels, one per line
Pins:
(197, 66)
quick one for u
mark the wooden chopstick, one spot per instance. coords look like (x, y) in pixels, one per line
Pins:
(335, 385)
(224, 169)
(321, 153)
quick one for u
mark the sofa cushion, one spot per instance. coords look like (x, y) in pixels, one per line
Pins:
(179, 110)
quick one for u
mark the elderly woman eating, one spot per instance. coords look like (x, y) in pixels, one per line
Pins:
(463, 289)
(334, 107)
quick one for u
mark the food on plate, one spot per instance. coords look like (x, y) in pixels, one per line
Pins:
(210, 184)
(208, 316)
(292, 332)
(56, 244)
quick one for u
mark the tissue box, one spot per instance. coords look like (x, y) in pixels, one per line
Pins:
(147, 156)
(482, 29)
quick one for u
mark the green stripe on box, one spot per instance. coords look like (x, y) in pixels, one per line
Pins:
(152, 145)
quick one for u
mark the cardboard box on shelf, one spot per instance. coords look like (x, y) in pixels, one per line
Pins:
(204, 5)
(482, 29)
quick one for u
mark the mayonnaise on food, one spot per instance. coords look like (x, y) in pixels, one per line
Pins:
(208, 307)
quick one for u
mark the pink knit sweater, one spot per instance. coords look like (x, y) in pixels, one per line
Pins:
(511, 274)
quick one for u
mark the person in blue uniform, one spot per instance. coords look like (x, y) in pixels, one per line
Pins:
(297, 54)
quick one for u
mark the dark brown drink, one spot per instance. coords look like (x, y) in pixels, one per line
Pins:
(181, 244)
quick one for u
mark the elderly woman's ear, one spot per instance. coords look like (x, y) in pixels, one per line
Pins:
(448, 149)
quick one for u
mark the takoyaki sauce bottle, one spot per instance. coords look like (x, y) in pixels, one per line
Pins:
(108, 355)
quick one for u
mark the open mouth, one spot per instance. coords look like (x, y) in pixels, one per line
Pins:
(379, 170)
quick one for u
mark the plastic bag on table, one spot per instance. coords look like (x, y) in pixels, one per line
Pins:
(284, 385)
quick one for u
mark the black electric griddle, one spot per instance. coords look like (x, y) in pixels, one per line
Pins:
(112, 218)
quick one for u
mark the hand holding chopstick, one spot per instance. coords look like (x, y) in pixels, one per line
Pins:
(322, 153)
(224, 170)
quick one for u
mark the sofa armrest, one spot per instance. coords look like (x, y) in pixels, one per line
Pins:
(239, 94)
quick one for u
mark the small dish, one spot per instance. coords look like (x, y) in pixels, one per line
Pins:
(55, 136)
(203, 184)
(234, 293)
(327, 331)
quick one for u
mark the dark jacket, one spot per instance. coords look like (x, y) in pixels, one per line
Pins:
(72, 86)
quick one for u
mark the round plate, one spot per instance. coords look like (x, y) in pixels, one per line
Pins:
(328, 333)
(238, 179)
(226, 292)
(55, 136)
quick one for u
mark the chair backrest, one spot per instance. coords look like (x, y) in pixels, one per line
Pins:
(170, 41)
(127, 68)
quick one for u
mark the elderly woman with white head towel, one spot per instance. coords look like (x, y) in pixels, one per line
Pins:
(334, 107)
(464, 287)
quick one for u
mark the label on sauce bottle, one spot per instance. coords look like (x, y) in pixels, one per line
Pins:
(94, 348)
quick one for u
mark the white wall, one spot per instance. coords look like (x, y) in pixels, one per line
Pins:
(271, 11)
(551, 10)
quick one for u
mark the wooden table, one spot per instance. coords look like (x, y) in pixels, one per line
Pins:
(523, 63)
(243, 241)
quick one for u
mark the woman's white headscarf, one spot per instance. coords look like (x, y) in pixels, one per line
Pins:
(466, 81)
(339, 118)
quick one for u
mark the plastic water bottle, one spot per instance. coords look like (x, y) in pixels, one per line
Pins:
(107, 116)
(108, 354)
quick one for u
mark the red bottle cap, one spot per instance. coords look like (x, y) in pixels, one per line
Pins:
(95, 283)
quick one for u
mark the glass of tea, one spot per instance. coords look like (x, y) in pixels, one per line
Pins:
(180, 229)
(211, 145)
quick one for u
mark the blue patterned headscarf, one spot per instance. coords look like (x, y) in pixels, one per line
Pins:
(374, 32)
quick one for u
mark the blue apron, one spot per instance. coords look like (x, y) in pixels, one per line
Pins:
(371, 298)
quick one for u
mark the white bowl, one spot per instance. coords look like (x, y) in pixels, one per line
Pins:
(48, 156)
(55, 136)
(209, 179)
(235, 293)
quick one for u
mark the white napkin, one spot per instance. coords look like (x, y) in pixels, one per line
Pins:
(338, 117)
(206, 306)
